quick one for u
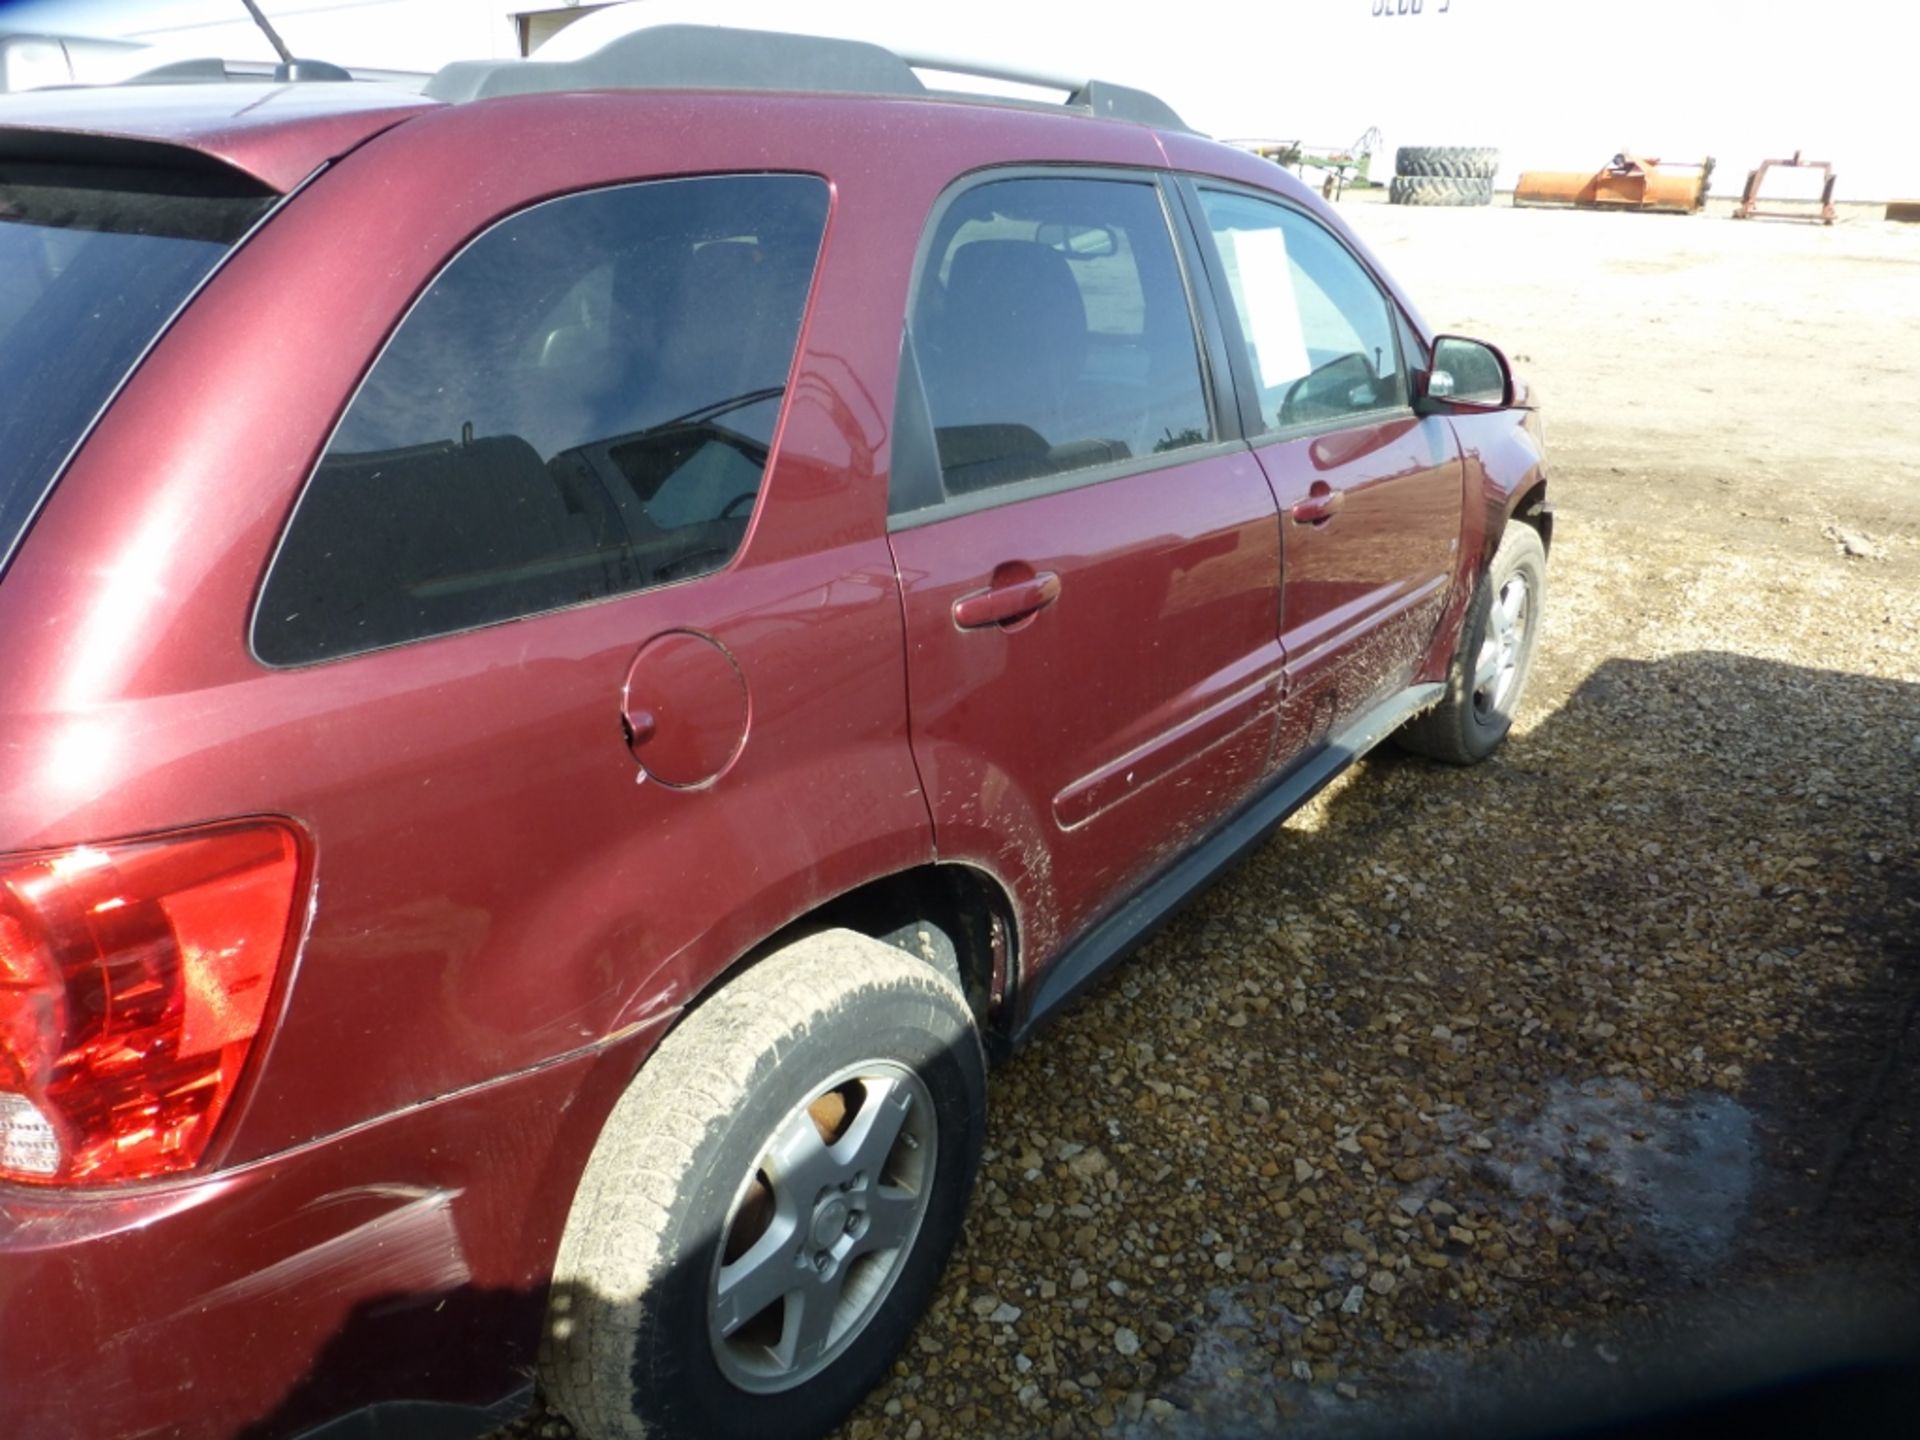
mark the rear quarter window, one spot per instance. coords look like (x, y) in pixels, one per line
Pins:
(580, 406)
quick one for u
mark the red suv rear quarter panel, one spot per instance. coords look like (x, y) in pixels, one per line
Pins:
(493, 889)
(493, 886)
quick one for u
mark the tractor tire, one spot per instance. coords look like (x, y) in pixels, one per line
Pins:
(1434, 190)
(1448, 162)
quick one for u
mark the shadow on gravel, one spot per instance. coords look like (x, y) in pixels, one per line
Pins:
(1708, 848)
(1706, 845)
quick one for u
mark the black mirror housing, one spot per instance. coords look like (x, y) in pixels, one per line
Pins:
(1465, 376)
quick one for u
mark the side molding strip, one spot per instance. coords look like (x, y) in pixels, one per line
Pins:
(1128, 927)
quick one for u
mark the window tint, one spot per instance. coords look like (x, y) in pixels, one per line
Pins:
(1319, 334)
(581, 405)
(1053, 332)
(93, 263)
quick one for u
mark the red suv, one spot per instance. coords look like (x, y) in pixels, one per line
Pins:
(578, 649)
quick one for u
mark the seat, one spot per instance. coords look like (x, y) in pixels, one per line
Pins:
(395, 544)
(1009, 353)
(1013, 336)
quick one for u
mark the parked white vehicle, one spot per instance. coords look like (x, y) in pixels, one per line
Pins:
(38, 62)
(33, 62)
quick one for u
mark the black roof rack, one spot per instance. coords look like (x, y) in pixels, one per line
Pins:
(712, 57)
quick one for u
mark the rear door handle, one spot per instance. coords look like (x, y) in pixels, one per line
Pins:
(1323, 502)
(1004, 604)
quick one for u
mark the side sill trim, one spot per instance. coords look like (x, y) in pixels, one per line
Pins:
(1128, 927)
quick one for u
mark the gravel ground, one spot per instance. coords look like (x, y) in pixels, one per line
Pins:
(1578, 1077)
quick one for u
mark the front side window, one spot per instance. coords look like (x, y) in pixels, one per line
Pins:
(1318, 333)
(581, 405)
(1053, 332)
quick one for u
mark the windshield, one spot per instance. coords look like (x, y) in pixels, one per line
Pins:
(93, 263)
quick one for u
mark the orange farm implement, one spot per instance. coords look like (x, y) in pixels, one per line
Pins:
(1628, 182)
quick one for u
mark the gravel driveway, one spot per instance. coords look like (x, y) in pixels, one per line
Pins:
(1588, 1072)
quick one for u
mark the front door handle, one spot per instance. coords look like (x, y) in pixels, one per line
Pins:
(1323, 502)
(1003, 604)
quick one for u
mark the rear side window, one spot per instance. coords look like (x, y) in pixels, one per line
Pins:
(1053, 332)
(94, 261)
(581, 405)
(1319, 335)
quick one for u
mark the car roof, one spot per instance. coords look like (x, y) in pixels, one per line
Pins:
(274, 136)
(279, 133)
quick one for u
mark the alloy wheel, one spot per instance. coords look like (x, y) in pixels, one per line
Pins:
(821, 1227)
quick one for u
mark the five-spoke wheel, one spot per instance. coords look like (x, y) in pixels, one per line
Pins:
(1509, 619)
(768, 1207)
(821, 1226)
(1489, 672)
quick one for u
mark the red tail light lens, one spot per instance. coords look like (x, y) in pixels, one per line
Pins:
(134, 983)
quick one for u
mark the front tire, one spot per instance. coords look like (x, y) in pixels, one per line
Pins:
(769, 1207)
(1495, 655)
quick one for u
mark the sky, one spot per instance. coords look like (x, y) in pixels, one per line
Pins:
(1559, 84)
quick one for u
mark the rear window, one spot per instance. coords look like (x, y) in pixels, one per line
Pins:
(93, 264)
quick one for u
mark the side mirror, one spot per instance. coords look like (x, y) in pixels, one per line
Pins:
(1467, 375)
(1080, 242)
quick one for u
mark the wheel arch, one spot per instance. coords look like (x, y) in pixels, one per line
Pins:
(956, 917)
(1525, 502)
(968, 908)
(1530, 509)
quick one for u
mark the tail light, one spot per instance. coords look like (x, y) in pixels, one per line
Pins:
(135, 980)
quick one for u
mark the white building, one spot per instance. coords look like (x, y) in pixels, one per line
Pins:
(1557, 84)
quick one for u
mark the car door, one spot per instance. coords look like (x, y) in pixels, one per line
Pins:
(1088, 553)
(1369, 493)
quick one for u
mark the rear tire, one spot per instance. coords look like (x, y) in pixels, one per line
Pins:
(726, 1271)
(1489, 671)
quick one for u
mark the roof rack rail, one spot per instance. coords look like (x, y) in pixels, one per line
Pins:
(714, 57)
